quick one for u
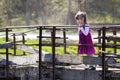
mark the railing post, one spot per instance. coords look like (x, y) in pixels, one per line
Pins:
(99, 39)
(64, 40)
(115, 48)
(14, 41)
(103, 38)
(7, 56)
(53, 50)
(23, 39)
(40, 52)
(103, 66)
(103, 49)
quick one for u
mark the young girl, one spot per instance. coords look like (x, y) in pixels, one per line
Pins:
(84, 35)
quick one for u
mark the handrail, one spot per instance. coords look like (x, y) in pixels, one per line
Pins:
(63, 26)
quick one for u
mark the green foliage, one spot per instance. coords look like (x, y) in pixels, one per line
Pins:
(118, 60)
(2, 39)
(22, 12)
(72, 50)
(47, 49)
(59, 50)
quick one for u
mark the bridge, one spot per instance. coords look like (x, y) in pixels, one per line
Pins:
(57, 61)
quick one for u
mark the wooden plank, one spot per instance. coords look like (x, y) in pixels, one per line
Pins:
(113, 55)
(113, 38)
(19, 41)
(116, 65)
(2, 30)
(107, 45)
(50, 37)
(92, 25)
(18, 34)
(109, 38)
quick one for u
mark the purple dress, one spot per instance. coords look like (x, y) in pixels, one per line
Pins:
(85, 39)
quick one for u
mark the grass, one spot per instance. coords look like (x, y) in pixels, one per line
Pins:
(59, 50)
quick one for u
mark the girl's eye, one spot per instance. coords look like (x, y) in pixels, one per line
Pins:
(78, 18)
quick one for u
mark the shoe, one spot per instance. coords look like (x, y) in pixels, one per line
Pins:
(92, 68)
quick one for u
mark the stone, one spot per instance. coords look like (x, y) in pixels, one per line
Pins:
(6, 45)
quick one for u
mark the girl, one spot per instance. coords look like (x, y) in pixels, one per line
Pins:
(84, 35)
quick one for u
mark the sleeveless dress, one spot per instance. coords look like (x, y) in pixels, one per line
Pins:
(85, 38)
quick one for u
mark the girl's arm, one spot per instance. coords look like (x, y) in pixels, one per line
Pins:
(78, 30)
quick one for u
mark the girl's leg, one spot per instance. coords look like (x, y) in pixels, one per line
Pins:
(92, 55)
(92, 67)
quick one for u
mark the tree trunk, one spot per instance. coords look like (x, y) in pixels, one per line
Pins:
(27, 16)
(113, 15)
(41, 13)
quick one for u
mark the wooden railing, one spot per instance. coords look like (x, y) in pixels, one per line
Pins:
(106, 65)
(102, 28)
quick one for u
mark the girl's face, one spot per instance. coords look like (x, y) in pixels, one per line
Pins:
(80, 21)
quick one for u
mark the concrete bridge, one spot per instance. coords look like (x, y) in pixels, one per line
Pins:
(61, 67)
